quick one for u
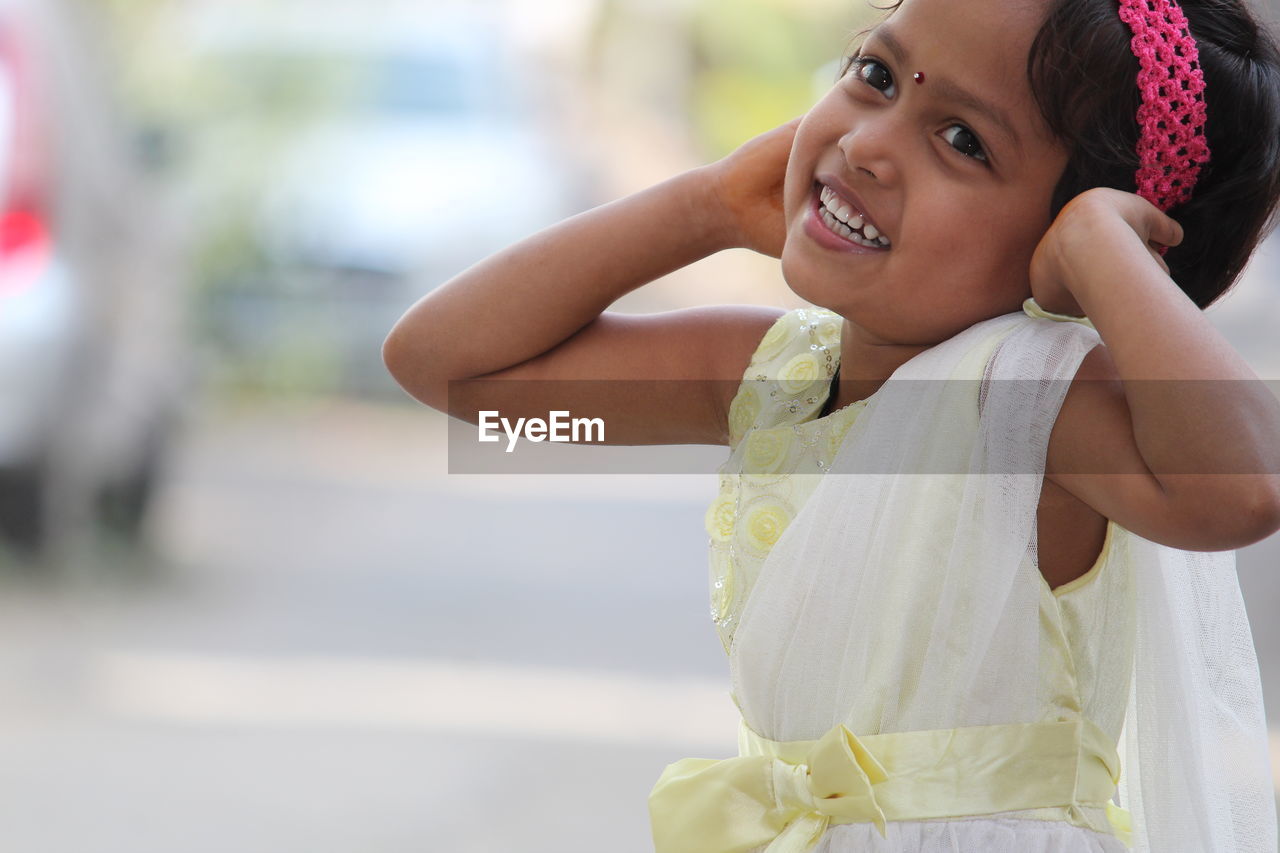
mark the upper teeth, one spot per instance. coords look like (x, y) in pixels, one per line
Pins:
(841, 211)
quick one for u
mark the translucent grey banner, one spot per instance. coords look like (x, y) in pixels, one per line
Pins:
(1141, 427)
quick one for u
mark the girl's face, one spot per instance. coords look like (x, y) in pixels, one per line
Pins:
(956, 171)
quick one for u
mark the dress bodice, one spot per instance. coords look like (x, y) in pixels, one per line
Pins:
(780, 447)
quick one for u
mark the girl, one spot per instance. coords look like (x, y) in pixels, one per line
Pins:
(918, 665)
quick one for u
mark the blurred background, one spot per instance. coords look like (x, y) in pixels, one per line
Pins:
(242, 604)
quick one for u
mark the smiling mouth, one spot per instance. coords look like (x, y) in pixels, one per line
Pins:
(844, 222)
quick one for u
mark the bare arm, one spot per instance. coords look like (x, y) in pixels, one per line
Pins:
(1183, 410)
(529, 297)
(535, 311)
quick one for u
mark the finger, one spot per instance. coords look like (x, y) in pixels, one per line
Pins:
(1169, 232)
(1155, 253)
(1161, 228)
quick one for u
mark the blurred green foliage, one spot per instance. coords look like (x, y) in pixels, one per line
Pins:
(756, 63)
(231, 111)
(731, 69)
(231, 114)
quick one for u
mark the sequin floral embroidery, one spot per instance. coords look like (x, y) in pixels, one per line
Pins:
(779, 449)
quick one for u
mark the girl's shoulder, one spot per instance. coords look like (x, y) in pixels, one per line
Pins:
(788, 377)
(799, 332)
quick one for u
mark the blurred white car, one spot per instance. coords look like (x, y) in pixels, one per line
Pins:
(431, 158)
(426, 169)
(91, 364)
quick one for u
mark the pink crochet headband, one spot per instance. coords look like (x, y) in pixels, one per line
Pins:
(1171, 147)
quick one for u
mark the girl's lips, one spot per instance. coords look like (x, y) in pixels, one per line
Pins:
(824, 236)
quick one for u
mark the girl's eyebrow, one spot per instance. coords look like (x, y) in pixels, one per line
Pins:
(948, 90)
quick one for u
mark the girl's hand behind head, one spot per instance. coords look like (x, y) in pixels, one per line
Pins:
(1090, 238)
(748, 186)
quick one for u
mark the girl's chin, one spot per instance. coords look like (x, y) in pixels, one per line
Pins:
(816, 283)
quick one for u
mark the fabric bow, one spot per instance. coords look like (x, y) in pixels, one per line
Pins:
(704, 805)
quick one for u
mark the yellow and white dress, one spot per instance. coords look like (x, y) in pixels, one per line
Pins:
(937, 790)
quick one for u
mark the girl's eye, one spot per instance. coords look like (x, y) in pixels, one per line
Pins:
(873, 74)
(965, 142)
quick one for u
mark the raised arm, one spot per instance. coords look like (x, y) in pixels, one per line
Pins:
(535, 309)
(1171, 434)
(527, 298)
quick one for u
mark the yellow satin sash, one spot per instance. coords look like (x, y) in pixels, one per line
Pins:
(786, 793)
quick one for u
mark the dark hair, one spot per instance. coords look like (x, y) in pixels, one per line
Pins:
(1083, 75)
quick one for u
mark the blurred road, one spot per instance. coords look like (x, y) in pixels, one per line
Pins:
(347, 650)
(339, 650)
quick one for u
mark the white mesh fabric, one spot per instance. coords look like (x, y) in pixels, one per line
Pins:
(950, 636)
(1198, 774)
(905, 596)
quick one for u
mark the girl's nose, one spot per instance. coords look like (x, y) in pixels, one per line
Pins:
(868, 147)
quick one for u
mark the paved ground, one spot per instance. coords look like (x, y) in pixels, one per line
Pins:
(338, 649)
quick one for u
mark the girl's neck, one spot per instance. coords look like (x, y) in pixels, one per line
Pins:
(864, 366)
